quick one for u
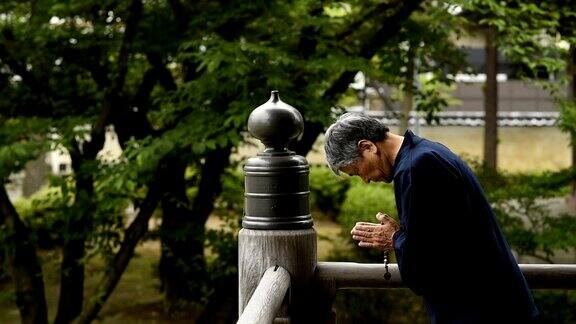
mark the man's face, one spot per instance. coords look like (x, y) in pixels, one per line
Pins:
(371, 166)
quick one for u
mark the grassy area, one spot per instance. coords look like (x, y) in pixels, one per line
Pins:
(137, 299)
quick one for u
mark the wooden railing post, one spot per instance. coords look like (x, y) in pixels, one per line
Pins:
(277, 225)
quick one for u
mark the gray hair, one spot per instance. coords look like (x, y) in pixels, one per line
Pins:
(342, 137)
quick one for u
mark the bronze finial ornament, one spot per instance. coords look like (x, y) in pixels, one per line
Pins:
(275, 123)
(276, 188)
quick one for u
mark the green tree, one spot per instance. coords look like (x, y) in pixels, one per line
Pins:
(176, 81)
(72, 68)
(528, 33)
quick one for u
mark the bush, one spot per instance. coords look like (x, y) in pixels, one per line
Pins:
(41, 213)
(222, 242)
(231, 199)
(362, 203)
(327, 191)
(379, 306)
(556, 306)
(522, 204)
(533, 228)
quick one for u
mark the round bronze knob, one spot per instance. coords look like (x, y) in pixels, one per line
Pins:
(275, 123)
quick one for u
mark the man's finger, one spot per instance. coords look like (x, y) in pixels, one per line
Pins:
(365, 244)
(367, 224)
(362, 234)
(383, 217)
(358, 233)
(366, 228)
(362, 224)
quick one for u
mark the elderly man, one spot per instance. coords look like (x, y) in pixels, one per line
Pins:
(448, 244)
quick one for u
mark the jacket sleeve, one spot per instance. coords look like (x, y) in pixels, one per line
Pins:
(426, 231)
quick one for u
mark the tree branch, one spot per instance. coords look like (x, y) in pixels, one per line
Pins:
(24, 265)
(113, 97)
(181, 13)
(38, 87)
(165, 77)
(210, 182)
(382, 7)
(134, 15)
(7, 48)
(183, 264)
(384, 33)
(72, 268)
(71, 296)
(89, 58)
(542, 257)
(134, 122)
(118, 265)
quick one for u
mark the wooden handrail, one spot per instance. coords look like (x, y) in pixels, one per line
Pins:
(267, 298)
(358, 275)
(550, 276)
(345, 275)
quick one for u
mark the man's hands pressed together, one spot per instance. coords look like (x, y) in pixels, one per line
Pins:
(373, 235)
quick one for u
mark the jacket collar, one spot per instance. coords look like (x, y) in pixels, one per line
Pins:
(411, 138)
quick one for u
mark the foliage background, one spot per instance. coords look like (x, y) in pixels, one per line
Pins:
(176, 80)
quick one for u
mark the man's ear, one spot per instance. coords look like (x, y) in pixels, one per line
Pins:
(366, 145)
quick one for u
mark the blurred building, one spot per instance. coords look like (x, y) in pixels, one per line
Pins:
(520, 103)
(56, 162)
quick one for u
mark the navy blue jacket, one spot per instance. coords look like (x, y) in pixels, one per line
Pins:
(450, 248)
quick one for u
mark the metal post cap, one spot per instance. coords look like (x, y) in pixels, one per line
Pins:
(275, 122)
(277, 187)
